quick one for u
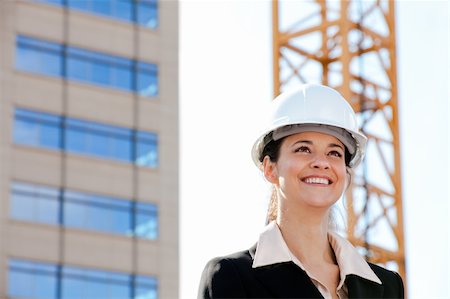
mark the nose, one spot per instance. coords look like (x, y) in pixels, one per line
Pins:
(320, 162)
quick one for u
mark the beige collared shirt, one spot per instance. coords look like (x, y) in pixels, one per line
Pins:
(272, 249)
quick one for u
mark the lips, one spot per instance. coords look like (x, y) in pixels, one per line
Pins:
(316, 180)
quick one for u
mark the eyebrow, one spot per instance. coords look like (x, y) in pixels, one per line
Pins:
(310, 142)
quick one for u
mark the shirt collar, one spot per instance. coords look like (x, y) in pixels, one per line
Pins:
(272, 249)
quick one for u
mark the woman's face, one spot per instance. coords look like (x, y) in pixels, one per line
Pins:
(310, 169)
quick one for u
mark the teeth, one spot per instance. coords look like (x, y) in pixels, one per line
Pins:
(317, 181)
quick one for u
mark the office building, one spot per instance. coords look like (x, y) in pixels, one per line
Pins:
(89, 149)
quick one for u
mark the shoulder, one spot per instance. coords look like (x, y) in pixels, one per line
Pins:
(227, 266)
(392, 282)
(222, 276)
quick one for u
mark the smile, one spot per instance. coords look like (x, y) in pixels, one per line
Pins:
(317, 180)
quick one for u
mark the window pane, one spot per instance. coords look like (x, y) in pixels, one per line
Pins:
(146, 287)
(118, 291)
(55, 2)
(49, 136)
(72, 288)
(77, 69)
(98, 145)
(147, 155)
(39, 279)
(148, 14)
(74, 214)
(146, 221)
(122, 78)
(98, 218)
(45, 287)
(98, 213)
(123, 9)
(96, 289)
(38, 56)
(47, 211)
(95, 283)
(75, 141)
(22, 207)
(36, 129)
(26, 132)
(34, 203)
(101, 6)
(146, 293)
(146, 226)
(79, 4)
(147, 10)
(103, 69)
(101, 73)
(147, 84)
(100, 140)
(147, 149)
(122, 149)
(16, 282)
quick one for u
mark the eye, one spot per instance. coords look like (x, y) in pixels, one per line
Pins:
(303, 149)
(335, 154)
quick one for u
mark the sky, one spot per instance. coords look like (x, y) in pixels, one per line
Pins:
(226, 80)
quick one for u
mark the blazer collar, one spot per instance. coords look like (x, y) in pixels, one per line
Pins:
(272, 249)
(287, 280)
(275, 260)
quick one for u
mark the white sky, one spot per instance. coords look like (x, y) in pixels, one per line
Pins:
(226, 76)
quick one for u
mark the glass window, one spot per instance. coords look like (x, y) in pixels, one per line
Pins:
(146, 287)
(99, 140)
(38, 203)
(146, 221)
(34, 203)
(38, 56)
(122, 78)
(77, 4)
(123, 9)
(78, 69)
(99, 68)
(88, 211)
(85, 137)
(146, 10)
(72, 288)
(55, 2)
(37, 129)
(31, 280)
(94, 283)
(101, 7)
(146, 149)
(147, 13)
(47, 58)
(38, 280)
(147, 79)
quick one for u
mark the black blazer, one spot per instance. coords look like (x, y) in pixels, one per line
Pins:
(233, 277)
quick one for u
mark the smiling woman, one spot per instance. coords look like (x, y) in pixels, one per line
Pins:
(311, 141)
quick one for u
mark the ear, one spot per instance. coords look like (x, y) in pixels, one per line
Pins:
(270, 170)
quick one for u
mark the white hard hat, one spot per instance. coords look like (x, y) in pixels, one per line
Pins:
(312, 107)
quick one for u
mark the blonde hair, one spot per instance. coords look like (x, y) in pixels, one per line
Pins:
(273, 206)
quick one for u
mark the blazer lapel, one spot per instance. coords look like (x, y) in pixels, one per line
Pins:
(359, 287)
(285, 280)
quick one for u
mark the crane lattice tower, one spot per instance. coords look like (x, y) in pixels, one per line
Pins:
(350, 45)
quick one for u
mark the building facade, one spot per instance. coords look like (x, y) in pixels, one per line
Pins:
(89, 149)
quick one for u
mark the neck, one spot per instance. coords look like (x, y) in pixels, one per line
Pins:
(306, 234)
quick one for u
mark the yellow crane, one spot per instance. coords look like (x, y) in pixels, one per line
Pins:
(350, 45)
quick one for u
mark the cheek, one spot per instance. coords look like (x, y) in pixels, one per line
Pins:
(341, 172)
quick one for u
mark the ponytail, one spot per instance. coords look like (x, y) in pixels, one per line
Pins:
(272, 210)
